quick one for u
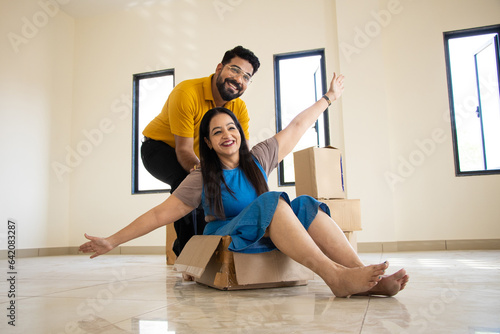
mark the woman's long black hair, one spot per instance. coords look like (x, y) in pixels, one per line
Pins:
(211, 167)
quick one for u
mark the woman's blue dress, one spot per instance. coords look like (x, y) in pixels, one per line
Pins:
(249, 215)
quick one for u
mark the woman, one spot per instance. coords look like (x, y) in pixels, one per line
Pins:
(232, 186)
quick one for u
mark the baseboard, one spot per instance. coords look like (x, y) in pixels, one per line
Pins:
(430, 245)
(58, 251)
(363, 247)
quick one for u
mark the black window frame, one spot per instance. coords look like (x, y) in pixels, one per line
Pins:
(136, 136)
(277, 89)
(447, 36)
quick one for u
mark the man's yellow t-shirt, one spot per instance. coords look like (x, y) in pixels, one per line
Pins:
(182, 113)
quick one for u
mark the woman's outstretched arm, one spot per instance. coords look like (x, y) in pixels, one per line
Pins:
(290, 136)
(167, 212)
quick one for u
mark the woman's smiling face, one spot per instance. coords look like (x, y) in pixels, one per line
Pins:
(224, 138)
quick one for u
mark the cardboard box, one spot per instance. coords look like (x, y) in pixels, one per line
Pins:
(319, 173)
(207, 258)
(346, 213)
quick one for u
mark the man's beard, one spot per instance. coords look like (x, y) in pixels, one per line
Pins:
(224, 92)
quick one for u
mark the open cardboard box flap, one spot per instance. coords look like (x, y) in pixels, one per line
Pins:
(207, 258)
(196, 254)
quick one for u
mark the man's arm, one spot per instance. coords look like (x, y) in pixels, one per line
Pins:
(185, 153)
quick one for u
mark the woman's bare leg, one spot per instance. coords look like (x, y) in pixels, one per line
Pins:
(332, 241)
(288, 234)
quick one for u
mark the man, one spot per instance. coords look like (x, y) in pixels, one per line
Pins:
(171, 145)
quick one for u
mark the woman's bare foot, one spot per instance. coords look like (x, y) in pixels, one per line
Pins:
(389, 285)
(349, 281)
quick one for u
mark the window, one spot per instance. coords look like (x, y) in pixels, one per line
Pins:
(299, 82)
(151, 90)
(472, 59)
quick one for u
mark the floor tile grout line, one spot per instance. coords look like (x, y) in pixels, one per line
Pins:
(364, 316)
(369, 299)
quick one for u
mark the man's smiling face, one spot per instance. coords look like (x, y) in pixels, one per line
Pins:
(229, 84)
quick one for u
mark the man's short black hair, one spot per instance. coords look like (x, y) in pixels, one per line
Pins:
(243, 53)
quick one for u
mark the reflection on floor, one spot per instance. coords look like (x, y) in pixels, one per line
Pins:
(448, 292)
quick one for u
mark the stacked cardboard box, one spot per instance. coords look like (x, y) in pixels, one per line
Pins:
(319, 173)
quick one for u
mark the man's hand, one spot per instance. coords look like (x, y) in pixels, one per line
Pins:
(195, 167)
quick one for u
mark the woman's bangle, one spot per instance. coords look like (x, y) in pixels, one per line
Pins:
(327, 100)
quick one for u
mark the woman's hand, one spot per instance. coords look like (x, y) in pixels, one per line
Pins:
(290, 136)
(96, 245)
(336, 87)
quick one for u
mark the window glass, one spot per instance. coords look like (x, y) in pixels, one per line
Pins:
(151, 90)
(473, 76)
(300, 81)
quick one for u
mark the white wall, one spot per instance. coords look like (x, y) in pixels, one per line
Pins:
(68, 90)
(396, 122)
(36, 66)
(36, 73)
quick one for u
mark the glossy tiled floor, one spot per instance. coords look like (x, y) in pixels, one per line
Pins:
(449, 292)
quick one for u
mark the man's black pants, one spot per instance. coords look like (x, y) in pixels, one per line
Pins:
(160, 160)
